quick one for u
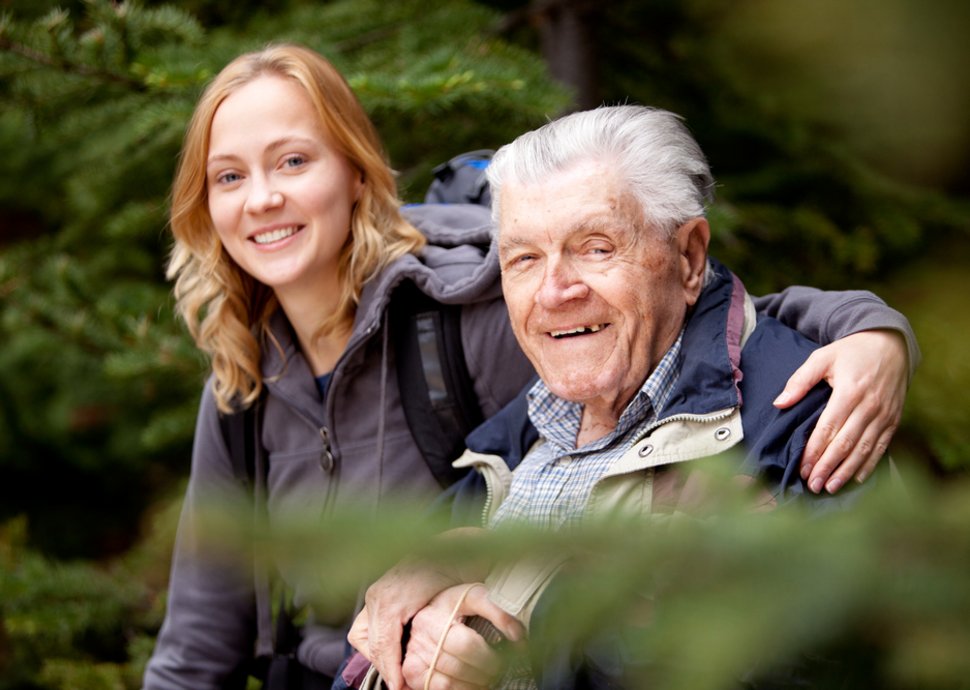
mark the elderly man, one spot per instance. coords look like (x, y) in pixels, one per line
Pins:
(650, 355)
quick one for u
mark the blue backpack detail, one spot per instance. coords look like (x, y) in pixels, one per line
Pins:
(461, 180)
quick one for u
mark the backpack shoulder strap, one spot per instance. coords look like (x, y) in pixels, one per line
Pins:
(239, 433)
(437, 392)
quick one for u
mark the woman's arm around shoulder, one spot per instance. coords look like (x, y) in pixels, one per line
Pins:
(869, 356)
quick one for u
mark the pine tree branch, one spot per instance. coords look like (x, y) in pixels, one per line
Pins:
(366, 38)
(66, 67)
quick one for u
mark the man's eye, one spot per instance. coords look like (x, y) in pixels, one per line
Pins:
(517, 262)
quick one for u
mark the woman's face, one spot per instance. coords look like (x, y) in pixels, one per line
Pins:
(280, 195)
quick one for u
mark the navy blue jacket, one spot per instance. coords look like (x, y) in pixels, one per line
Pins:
(716, 374)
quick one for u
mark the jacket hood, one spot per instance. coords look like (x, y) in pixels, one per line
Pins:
(459, 265)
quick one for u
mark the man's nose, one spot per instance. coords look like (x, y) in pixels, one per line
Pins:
(560, 283)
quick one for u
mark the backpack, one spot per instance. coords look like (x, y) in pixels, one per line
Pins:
(461, 180)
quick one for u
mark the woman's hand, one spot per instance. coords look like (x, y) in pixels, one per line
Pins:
(868, 372)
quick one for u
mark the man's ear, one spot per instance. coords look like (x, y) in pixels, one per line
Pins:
(692, 240)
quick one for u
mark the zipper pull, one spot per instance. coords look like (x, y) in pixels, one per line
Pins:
(326, 455)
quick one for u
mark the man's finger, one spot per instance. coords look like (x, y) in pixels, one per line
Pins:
(466, 660)
(357, 635)
(477, 603)
(388, 660)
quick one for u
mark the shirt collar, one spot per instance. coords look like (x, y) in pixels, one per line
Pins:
(558, 420)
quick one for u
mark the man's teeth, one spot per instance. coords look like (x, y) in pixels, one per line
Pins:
(578, 331)
(275, 235)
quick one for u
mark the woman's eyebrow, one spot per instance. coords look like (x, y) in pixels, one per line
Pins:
(275, 144)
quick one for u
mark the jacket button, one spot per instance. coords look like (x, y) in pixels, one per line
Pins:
(722, 434)
(645, 450)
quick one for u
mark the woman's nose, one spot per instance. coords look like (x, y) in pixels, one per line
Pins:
(262, 197)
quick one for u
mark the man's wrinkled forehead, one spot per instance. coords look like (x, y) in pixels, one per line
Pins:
(607, 207)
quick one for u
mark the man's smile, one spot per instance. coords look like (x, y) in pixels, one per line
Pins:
(579, 330)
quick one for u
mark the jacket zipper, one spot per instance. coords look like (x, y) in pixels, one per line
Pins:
(489, 497)
(687, 417)
(326, 453)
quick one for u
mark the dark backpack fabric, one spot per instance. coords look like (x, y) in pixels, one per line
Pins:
(437, 391)
(239, 431)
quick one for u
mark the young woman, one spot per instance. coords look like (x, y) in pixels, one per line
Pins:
(289, 244)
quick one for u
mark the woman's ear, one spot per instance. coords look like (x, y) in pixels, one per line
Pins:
(693, 237)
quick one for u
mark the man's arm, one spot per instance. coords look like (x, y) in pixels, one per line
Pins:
(870, 355)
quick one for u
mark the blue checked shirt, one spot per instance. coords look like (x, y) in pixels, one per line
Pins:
(552, 484)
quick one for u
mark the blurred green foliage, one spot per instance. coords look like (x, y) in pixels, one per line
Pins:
(875, 596)
(78, 625)
(938, 405)
(872, 597)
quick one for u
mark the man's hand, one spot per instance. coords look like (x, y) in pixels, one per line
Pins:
(393, 600)
(389, 604)
(466, 661)
(868, 372)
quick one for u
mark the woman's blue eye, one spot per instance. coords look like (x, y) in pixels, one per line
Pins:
(294, 161)
(227, 178)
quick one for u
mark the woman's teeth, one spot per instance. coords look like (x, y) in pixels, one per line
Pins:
(275, 235)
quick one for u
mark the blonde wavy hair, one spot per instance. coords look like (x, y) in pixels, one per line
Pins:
(227, 312)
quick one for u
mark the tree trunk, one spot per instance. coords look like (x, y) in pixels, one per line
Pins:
(567, 31)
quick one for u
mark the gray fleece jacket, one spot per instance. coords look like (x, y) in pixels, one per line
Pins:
(355, 446)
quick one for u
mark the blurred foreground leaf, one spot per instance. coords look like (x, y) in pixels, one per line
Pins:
(875, 596)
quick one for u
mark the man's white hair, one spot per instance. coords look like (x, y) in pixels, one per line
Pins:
(651, 150)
